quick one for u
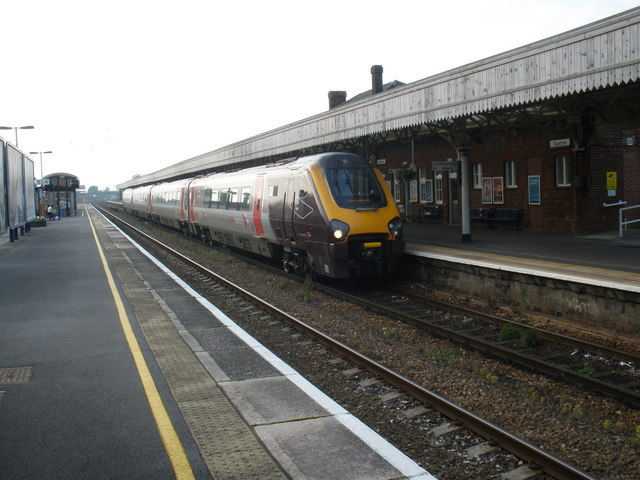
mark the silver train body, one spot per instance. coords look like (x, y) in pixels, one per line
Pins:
(330, 214)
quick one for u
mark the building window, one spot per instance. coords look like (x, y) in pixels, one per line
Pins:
(510, 174)
(438, 187)
(477, 175)
(396, 187)
(562, 171)
(426, 186)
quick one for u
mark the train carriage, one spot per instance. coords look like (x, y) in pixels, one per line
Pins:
(329, 214)
(168, 203)
(136, 201)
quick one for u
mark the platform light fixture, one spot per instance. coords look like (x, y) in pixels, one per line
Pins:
(26, 127)
(40, 153)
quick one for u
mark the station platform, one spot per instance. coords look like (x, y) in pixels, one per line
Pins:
(601, 259)
(112, 368)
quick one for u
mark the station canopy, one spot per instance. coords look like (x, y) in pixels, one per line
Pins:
(61, 181)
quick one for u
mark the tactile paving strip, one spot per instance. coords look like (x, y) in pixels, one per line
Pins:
(14, 375)
(227, 444)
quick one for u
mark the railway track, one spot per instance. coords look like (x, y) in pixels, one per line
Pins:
(495, 436)
(599, 368)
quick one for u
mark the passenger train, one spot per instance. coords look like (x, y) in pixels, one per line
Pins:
(329, 214)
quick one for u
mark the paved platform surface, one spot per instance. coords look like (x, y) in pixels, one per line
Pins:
(601, 259)
(75, 401)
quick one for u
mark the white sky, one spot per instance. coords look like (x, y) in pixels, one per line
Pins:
(122, 87)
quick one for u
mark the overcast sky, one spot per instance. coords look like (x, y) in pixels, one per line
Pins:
(123, 87)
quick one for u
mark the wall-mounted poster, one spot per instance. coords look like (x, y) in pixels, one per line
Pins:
(534, 190)
(498, 190)
(487, 191)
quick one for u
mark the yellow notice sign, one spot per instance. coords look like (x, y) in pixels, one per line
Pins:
(612, 180)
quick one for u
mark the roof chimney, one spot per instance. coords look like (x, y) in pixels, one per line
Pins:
(376, 79)
(337, 97)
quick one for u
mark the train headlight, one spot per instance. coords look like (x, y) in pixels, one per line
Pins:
(339, 229)
(395, 227)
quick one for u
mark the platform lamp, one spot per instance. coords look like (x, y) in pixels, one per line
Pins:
(27, 127)
(41, 178)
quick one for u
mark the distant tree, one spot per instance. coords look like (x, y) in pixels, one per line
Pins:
(93, 190)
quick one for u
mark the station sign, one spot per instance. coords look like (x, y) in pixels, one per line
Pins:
(445, 166)
(560, 143)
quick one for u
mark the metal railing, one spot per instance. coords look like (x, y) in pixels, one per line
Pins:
(623, 222)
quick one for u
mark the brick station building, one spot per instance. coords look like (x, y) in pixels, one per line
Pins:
(550, 130)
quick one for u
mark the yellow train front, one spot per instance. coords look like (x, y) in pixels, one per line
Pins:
(336, 217)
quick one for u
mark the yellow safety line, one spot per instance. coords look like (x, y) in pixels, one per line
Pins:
(170, 440)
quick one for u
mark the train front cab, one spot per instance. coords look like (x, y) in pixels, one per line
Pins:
(365, 229)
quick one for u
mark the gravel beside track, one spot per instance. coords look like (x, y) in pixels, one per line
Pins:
(597, 435)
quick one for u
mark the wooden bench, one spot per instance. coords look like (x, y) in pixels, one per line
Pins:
(505, 215)
(427, 211)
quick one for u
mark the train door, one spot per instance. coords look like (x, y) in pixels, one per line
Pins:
(192, 203)
(258, 205)
(276, 199)
(288, 208)
(184, 203)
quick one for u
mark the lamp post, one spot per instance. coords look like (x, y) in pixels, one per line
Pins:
(41, 180)
(40, 153)
(27, 127)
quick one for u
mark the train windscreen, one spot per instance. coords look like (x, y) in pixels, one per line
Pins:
(353, 183)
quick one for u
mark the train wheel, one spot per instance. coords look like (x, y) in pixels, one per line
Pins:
(285, 262)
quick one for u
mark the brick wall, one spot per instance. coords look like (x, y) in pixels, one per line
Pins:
(573, 209)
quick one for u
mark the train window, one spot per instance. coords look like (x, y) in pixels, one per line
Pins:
(214, 201)
(224, 196)
(273, 190)
(207, 197)
(245, 198)
(232, 199)
(354, 186)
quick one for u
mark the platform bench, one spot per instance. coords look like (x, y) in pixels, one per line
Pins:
(428, 211)
(505, 215)
(481, 214)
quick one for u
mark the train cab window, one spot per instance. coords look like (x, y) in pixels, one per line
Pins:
(353, 183)
(273, 190)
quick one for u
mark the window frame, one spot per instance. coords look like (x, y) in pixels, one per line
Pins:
(438, 188)
(477, 176)
(563, 169)
(510, 174)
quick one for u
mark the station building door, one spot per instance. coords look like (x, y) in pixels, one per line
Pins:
(453, 197)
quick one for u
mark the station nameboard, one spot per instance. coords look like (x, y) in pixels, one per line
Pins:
(446, 166)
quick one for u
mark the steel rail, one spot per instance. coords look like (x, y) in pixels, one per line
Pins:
(535, 456)
(542, 333)
(498, 351)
